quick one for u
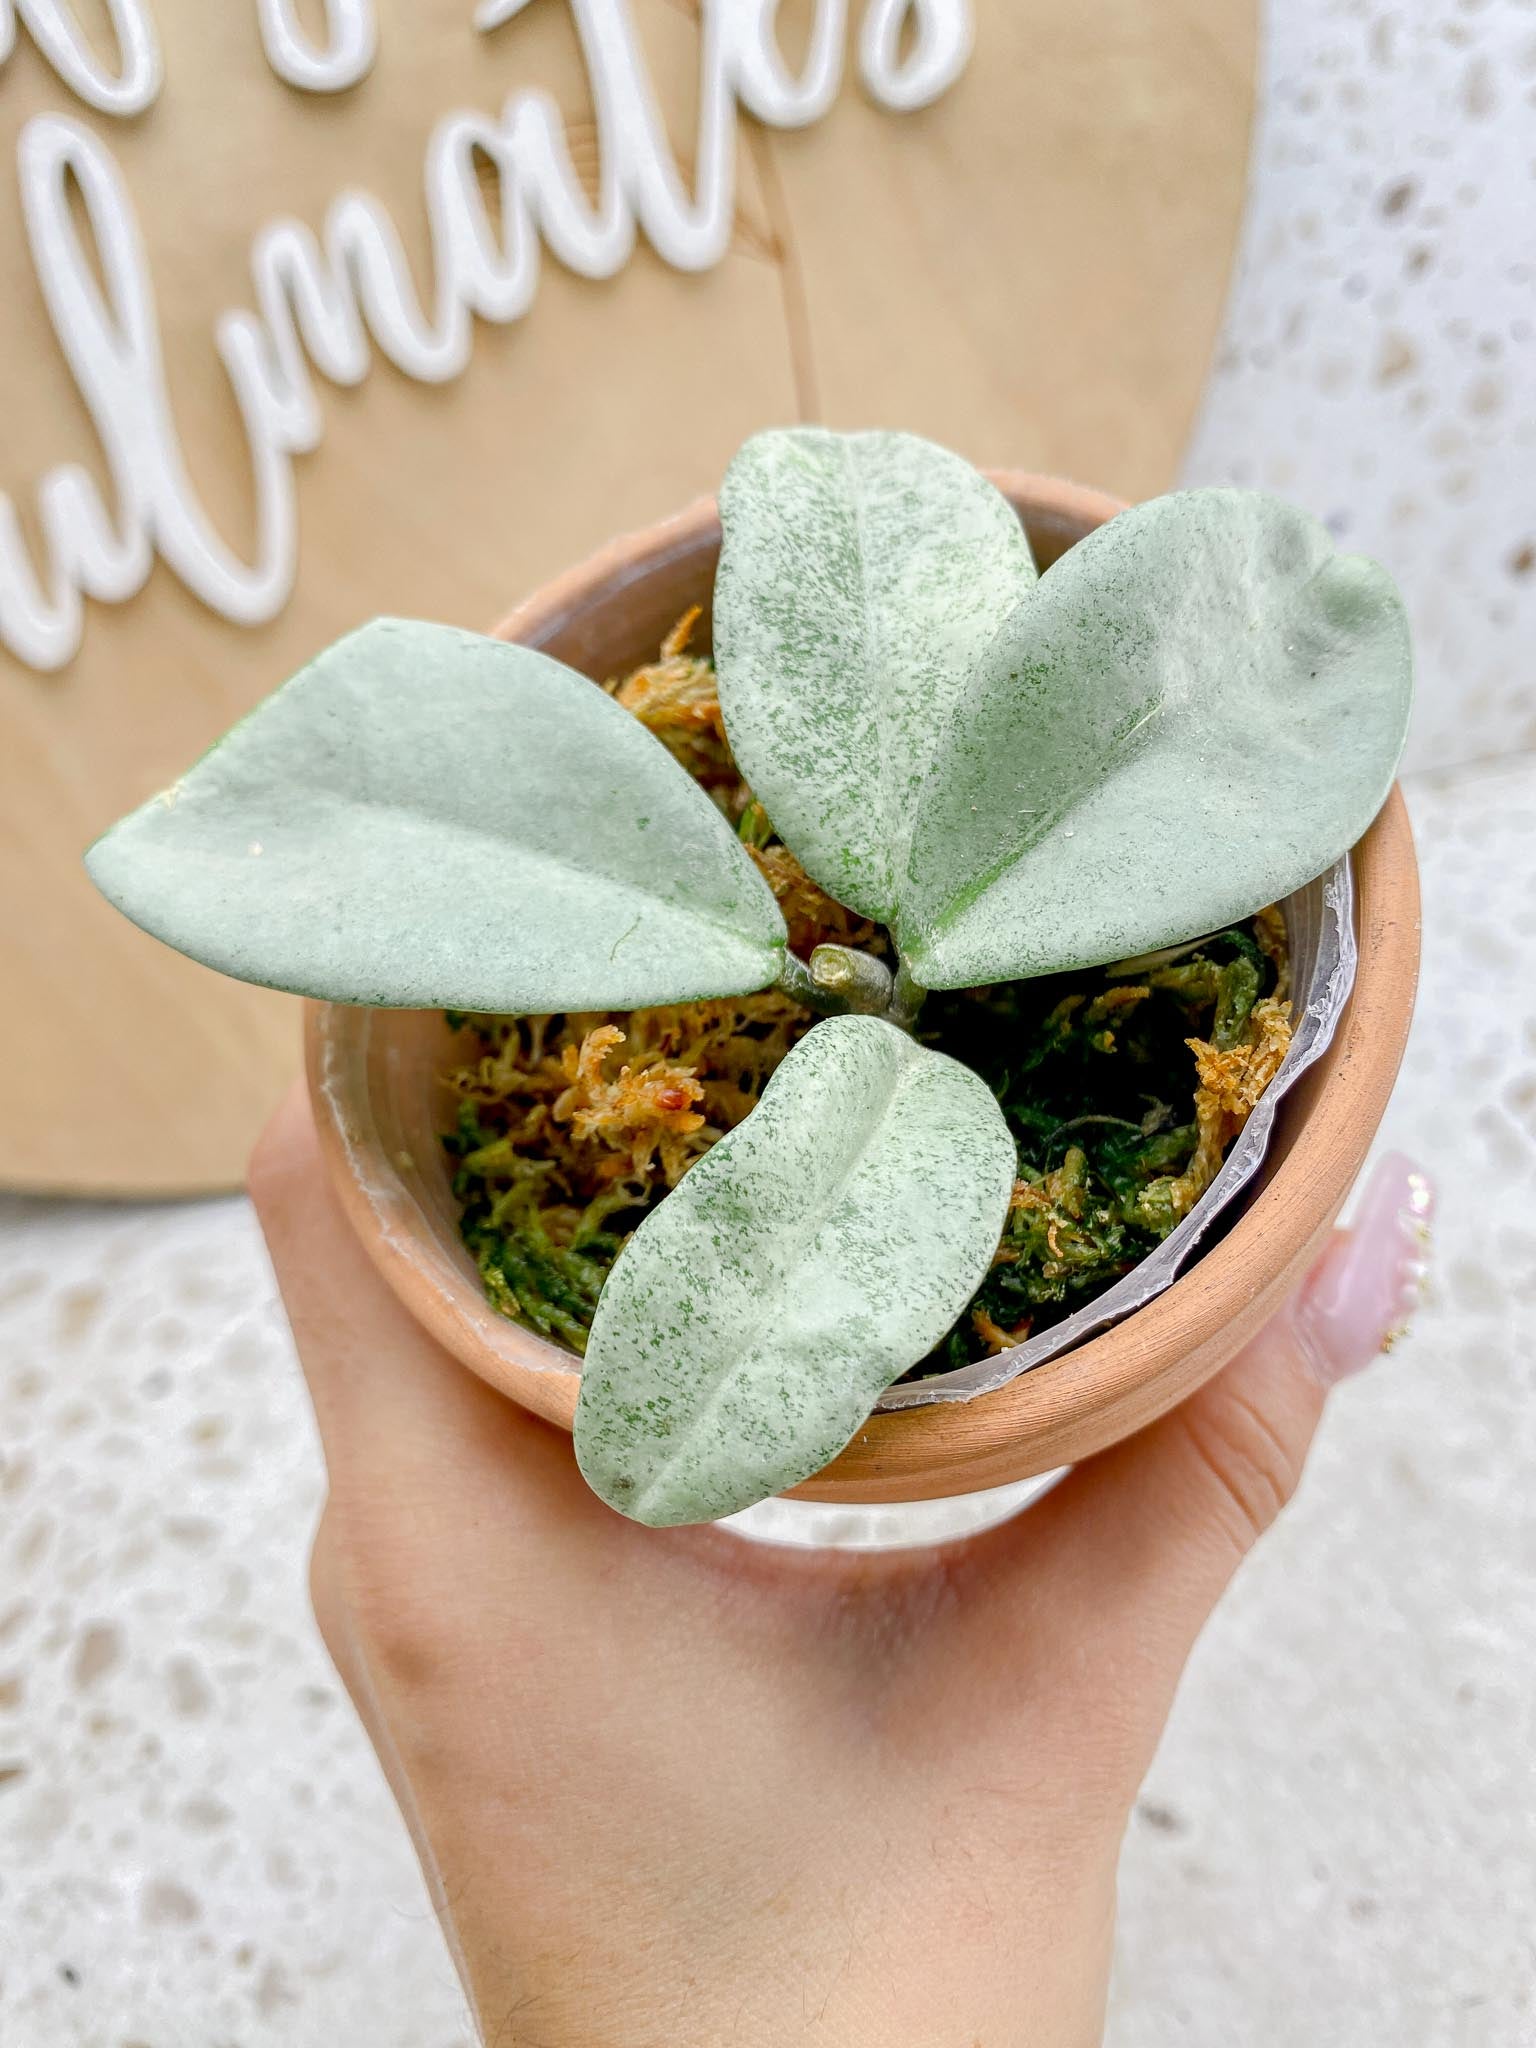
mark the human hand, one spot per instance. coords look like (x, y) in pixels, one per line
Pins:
(674, 1790)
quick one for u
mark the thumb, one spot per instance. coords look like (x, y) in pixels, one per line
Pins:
(1138, 1544)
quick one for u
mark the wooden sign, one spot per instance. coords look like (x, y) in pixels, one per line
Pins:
(309, 312)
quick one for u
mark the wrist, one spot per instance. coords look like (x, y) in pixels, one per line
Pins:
(954, 1994)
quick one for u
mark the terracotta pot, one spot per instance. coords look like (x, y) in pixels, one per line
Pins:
(375, 1080)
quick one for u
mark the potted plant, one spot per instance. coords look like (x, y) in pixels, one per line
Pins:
(986, 775)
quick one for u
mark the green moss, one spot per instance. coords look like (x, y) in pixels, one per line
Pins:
(1099, 1095)
(548, 1287)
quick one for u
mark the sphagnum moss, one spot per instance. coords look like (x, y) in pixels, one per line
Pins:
(1122, 1087)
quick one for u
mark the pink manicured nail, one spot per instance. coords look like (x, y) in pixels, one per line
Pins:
(1362, 1299)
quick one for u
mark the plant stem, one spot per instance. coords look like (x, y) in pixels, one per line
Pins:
(861, 981)
(840, 981)
(907, 998)
(798, 983)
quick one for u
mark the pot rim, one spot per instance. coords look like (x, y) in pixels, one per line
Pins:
(1083, 1399)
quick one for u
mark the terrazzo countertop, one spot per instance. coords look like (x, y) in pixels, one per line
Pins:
(1334, 1846)
(197, 1849)
(1378, 363)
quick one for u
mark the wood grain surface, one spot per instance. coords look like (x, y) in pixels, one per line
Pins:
(1032, 268)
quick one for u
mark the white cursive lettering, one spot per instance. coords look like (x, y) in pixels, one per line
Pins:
(324, 302)
(349, 53)
(944, 35)
(60, 38)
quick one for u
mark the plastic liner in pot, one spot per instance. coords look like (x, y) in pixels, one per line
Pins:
(1320, 929)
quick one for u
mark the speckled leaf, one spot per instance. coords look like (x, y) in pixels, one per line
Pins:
(861, 578)
(811, 1257)
(1197, 710)
(424, 817)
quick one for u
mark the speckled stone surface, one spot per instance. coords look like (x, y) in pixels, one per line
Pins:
(197, 1849)
(1334, 1846)
(1379, 359)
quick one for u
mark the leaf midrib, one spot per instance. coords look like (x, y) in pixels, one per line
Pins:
(500, 843)
(873, 645)
(804, 1238)
(1115, 760)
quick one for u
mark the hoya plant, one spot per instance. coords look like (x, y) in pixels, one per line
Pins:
(1194, 712)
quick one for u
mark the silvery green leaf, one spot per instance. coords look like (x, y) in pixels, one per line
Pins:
(861, 578)
(1197, 710)
(424, 817)
(811, 1257)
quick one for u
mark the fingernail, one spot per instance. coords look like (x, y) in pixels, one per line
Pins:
(1362, 1300)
